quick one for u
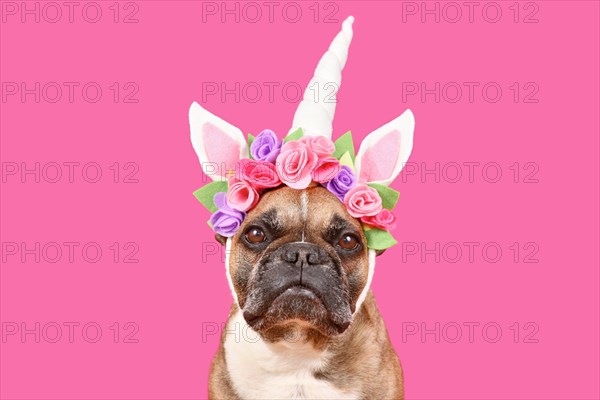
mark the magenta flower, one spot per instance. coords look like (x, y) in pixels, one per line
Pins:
(362, 201)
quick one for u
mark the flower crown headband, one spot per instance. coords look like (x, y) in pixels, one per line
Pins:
(242, 170)
(299, 161)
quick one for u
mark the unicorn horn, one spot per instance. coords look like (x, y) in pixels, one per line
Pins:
(317, 108)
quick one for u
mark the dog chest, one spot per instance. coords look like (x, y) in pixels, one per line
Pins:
(259, 370)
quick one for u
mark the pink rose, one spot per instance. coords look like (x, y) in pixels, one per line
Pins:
(327, 168)
(384, 220)
(294, 163)
(362, 200)
(241, 195)
(260, 174)
(320, 145)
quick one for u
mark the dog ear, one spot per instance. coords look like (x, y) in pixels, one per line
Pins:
(221, 239)
(384, 151)
(218, 144)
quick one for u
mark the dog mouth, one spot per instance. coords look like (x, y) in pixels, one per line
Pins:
(298, 282)
(300, 303)
(301, 292)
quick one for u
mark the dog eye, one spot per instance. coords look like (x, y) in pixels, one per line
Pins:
(348, 242)
(255, 235)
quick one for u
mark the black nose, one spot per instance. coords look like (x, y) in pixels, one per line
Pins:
(303, 253)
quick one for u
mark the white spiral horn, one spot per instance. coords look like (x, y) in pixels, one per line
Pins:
(317, 108)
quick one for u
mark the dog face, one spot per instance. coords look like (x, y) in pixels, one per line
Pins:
(299, 258)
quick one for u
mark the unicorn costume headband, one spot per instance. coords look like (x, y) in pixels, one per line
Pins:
(242, 169)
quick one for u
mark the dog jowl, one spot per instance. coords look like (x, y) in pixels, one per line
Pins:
(302, 223)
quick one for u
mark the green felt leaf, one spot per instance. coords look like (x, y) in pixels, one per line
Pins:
(389, 196)
(297, 134)
(206, 193)
(346, 160)
(344, 145)
(250, 140)
(378, 239)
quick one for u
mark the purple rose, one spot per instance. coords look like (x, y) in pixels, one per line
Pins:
(225, 221)
(342, 183)
(265, 146)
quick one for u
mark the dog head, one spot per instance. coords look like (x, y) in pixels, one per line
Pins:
(299, 258)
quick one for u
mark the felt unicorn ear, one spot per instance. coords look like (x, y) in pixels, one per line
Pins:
(384, 152)
(218, 144)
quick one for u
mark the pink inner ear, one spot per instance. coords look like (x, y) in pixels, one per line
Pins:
(220, 148)
(380, 158)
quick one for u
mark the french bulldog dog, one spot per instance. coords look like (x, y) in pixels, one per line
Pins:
(304, 323)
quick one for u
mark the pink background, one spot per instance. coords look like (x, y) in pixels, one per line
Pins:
(172, 293)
